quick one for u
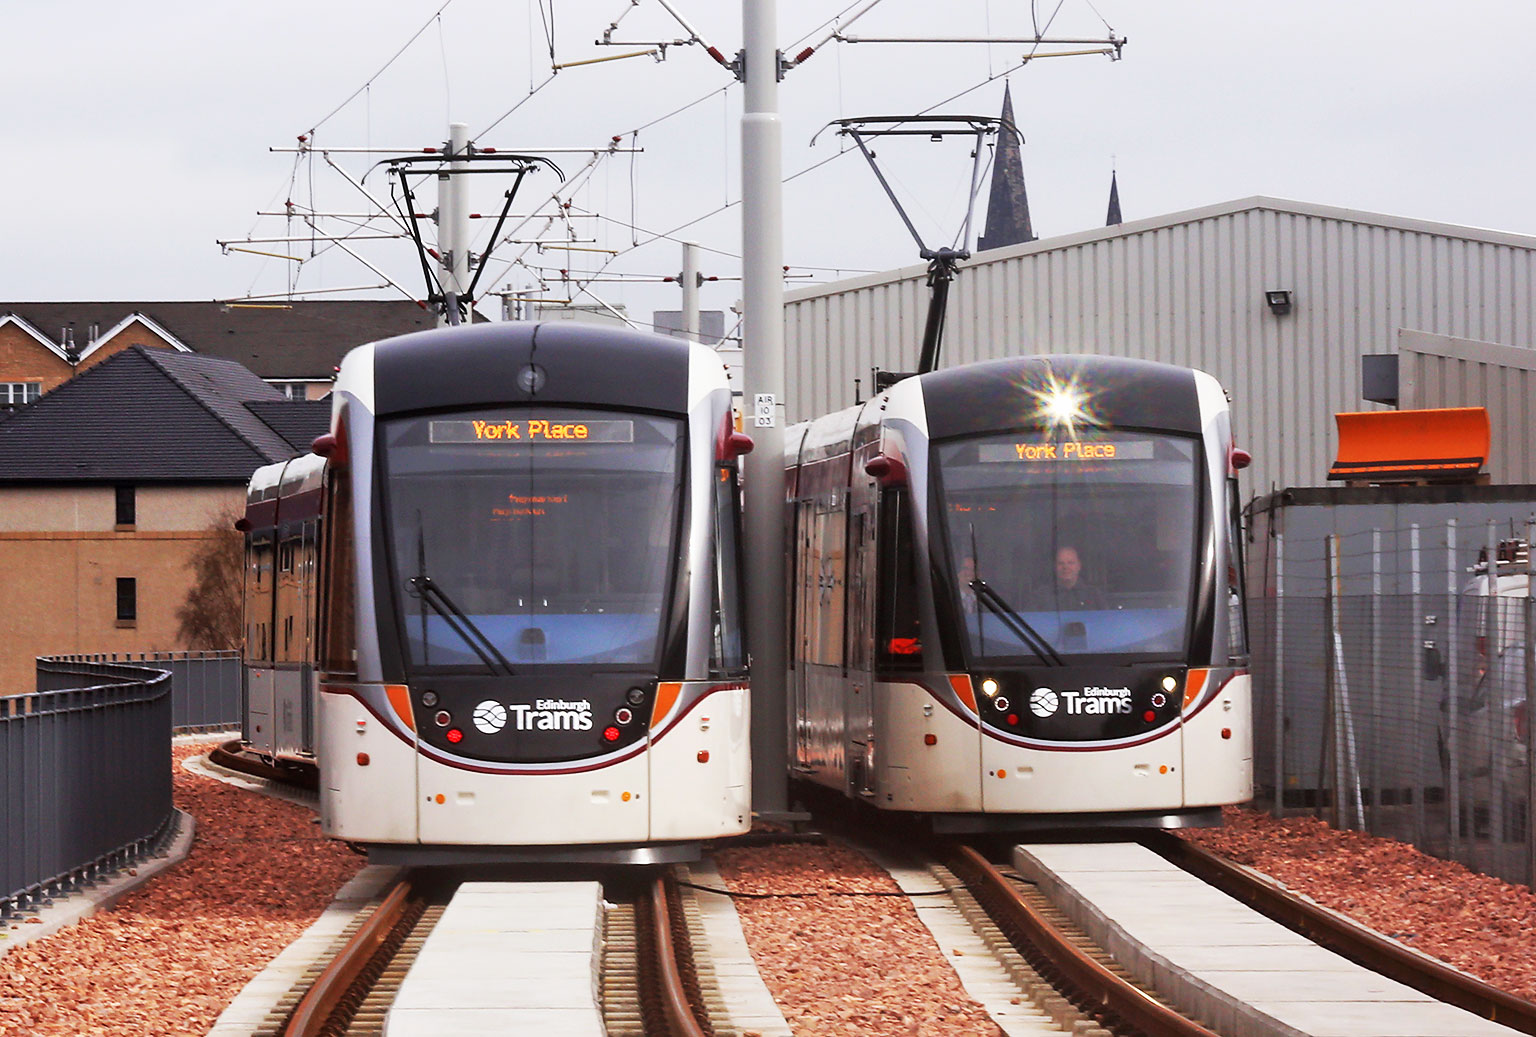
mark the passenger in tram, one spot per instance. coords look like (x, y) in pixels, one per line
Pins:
(1072, 591)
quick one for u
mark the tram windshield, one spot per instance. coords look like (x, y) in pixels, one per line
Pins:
(1066, 546)
(523, 538)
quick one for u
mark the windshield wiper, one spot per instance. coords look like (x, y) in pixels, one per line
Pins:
(1016, 623)
(429, 592)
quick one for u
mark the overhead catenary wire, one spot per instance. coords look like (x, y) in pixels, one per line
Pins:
(640, 237)
(436, 15)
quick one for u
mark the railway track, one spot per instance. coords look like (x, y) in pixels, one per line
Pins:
(1338, 933)
(1058, 967)
(650, 983)
(231, 756)
(1063, 972)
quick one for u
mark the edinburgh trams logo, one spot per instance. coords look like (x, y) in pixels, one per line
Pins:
(1044, 702)
(543, 715)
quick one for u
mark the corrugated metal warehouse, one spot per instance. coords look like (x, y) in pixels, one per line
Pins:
(1190, 288)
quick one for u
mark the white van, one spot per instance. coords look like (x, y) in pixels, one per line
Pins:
(1493, 722)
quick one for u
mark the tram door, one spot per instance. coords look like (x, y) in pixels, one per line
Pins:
(858, 659)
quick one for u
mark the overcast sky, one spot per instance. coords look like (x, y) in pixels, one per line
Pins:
(138, 135)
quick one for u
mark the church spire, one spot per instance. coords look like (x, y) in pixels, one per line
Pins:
(1008, 202)
(1112, 218)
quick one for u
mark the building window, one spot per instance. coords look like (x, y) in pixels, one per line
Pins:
(126, 506)
(127, 599)
(17, 393)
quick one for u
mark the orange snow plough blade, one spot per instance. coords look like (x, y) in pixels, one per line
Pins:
(1448, 444)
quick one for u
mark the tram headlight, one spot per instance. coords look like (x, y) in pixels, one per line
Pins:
(429, 699)
(635, 696)
(989, 687)
(1170, 682)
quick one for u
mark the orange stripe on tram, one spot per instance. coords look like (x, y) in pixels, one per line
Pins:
(400, 699)
(1194, 684)
(666, 697)
(961, 683)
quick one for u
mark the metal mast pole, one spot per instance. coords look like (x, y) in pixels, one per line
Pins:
(690, 281)
(453, 223)
(762, 218)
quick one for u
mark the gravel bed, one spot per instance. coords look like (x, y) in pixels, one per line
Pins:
(839, 948)
(175, 952)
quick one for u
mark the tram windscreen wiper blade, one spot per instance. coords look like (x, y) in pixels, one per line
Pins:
(459, 623)
(1016, 623)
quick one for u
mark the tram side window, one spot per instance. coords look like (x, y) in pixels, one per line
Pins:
(898, 637)
(339, 595)
(728, 656)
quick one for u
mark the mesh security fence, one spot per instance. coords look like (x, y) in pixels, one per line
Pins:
(1391, 688)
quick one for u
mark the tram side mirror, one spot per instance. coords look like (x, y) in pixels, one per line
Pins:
(1434, 666)
(888, 471)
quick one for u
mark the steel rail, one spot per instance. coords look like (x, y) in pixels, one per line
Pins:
(1338, 933)
(677, 1009)
(230, 756)
(339, 980)
(1095, 989)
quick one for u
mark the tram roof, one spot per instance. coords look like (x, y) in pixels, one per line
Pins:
(578, 364)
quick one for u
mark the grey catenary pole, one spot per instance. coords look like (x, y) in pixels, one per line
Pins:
(763, 402)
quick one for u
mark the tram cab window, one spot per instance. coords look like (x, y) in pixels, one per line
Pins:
(1072, 545)
(728, 652)
(898, 629)
(338, 625)
(548, 548)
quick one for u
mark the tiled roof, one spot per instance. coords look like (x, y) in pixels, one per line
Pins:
(145, 415)
(297, 421)
(289, 340)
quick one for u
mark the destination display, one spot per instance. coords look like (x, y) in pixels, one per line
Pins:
(534, 431)
(1069, 450)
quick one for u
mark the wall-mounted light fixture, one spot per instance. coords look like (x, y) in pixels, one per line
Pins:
(1279, 300)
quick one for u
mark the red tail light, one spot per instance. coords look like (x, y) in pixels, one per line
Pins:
(610, 734)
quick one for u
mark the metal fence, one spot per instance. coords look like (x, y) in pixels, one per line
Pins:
(206, 687)
(85, 765)
(1391, 689)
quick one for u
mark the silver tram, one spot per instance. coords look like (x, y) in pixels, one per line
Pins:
(1017, 598)
(530, 613)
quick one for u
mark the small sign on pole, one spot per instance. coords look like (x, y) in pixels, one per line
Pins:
(764, 405)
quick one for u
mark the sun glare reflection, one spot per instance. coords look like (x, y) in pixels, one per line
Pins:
(1061, 404)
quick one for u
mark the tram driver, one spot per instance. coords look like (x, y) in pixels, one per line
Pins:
(1072, 592)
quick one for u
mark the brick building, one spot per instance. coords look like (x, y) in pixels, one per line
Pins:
(293, 346)
(112, 481)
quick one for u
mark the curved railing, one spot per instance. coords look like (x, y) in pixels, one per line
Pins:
(85, 776)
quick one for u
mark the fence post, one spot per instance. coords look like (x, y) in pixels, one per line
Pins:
(1493, 703)
(1452, 685)
(1345, 749)
(1376, 716)
(1279, 672)
(1417, 645)
(1528, 646)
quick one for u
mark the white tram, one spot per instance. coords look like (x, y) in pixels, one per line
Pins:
(531, 643)
(1017, 598)
(282, 537)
